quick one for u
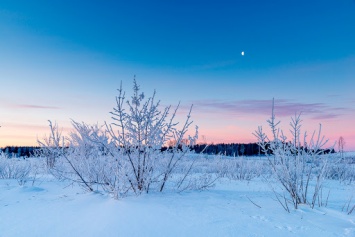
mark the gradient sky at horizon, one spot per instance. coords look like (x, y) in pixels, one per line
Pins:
(63, 60)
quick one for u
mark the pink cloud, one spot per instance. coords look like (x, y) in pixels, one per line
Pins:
(9, 104)
(263, 107)
(24, 106)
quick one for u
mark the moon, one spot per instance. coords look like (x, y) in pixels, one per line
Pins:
(242, 53)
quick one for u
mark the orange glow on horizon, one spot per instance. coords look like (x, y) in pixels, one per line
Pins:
(222, 129)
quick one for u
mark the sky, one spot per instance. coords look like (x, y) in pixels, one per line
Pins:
(64, 60)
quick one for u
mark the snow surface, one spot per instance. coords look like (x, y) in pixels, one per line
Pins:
(54, 208)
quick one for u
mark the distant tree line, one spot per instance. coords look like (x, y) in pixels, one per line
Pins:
(19, 151)
(231, 149)
(236, 149)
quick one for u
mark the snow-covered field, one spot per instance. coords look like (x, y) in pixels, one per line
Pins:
(49, 207)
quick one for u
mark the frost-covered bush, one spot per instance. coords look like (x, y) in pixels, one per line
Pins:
(342, 169)
(234, 168)
(51, 147)
(14, 168)
(210, 168)
(126, 155)
(140, 129)
(296, 163)
(242, 168)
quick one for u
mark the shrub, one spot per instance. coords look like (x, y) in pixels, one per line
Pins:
(14, 168)
(126, 155)
(297, 162)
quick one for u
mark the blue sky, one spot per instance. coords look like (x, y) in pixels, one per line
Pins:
(64, 59)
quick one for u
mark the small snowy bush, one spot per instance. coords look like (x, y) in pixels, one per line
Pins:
(14, 168)
(295, 163)
(342, 169)
(241, 168)
(126, 155)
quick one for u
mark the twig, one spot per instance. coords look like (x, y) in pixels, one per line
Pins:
(253, 202)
